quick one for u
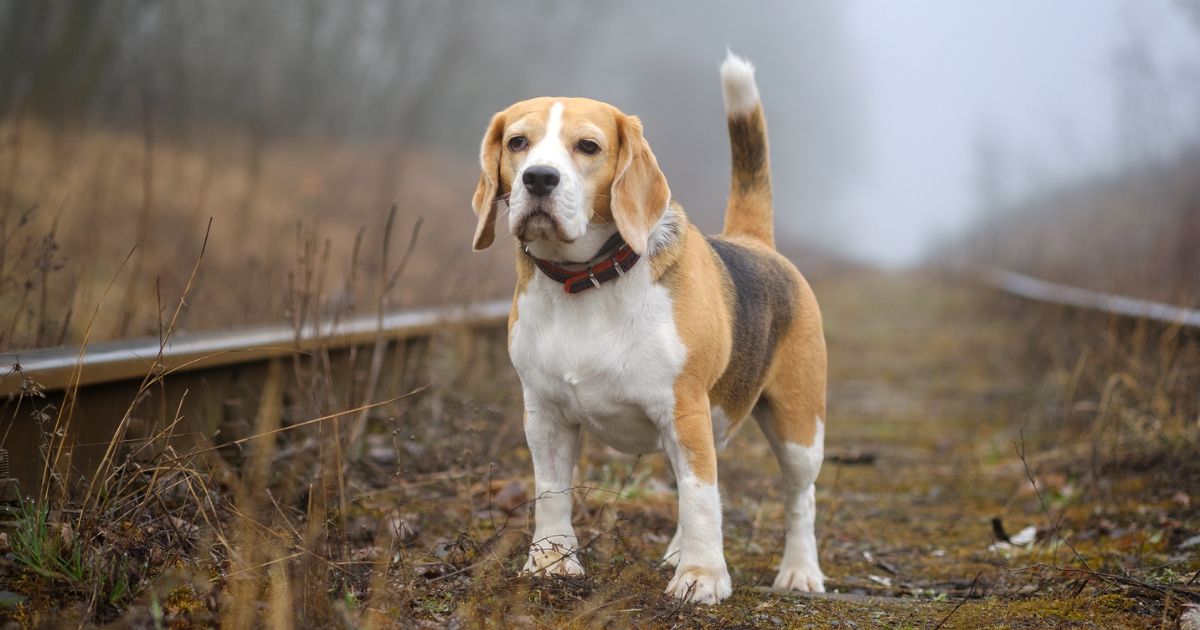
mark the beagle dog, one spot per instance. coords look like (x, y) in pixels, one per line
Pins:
(631, 324)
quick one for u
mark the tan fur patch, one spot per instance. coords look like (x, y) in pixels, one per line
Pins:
(797, 381)
(703, 324)
(749, 208)
(525, 270)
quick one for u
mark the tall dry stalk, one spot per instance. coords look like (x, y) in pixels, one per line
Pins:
(388, 279)
(251, 554)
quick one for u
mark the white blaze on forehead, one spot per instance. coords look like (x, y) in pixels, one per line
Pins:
(554, 126)
(550, 150)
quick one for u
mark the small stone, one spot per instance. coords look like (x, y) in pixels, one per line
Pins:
(430, 569)
(367, 554)
(1189, 619)
(9, 599)
(383, 455)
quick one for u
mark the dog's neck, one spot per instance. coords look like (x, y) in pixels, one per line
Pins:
(584, 249)
(581, 251)
(665, 246)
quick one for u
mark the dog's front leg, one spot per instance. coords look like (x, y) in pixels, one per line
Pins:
(701, 575)
(553, 443)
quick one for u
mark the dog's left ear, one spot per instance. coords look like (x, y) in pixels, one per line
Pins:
(639, 188)
(484, 201)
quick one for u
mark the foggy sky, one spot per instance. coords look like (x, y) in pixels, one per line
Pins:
(1036, 77)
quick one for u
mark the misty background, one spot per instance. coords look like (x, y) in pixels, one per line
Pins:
(899, 132)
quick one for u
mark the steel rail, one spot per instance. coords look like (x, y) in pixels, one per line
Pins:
(114, 361)
(1037, 290)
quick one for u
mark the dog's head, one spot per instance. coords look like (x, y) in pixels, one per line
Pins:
(562, 164)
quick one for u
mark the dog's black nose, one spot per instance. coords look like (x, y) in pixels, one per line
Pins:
(540, 180)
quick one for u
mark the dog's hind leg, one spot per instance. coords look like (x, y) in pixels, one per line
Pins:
(793, 424)
(799, 570)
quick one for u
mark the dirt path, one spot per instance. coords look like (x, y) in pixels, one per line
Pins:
(931, 389)
(928, 403)
(930, 395)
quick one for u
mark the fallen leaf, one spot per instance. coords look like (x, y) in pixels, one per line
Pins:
(510, 497)
(1024, 537)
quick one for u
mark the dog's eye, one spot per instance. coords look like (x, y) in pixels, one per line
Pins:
(517, 143)
(588, 147)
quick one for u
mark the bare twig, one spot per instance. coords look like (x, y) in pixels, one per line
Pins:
(1020, 446)
(388, 281)
(970, 592)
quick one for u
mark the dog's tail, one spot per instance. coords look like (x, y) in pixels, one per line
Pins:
(748, 212)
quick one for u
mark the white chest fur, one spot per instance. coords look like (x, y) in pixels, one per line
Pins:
(606, 358)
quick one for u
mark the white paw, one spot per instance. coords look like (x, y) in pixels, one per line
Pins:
(700, 585)
(553, 559)
(805, 578)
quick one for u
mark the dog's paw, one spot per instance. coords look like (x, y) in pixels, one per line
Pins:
(805, 578)
(553, 560)
(700, 585)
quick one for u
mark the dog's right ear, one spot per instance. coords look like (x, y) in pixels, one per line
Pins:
(486, 193)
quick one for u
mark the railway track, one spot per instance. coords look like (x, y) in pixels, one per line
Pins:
(1030, 288)
(213, 379)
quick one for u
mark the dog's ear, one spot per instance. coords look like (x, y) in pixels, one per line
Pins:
(484, 201)
(639, 188)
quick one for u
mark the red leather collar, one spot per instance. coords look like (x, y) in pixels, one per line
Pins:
(620, 258)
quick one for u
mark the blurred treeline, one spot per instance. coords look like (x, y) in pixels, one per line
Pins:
(277, 68)
(297, 125)
(431, 72)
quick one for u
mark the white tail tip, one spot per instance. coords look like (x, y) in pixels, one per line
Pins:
(737, 82)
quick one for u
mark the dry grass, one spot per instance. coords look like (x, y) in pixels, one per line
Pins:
(75, 200)
(389, 486)
(1130, 233)
(429, 528)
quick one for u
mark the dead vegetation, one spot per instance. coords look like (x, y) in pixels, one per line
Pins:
(75, 201)
(1131, 233)
(282, 527)
(389, 485)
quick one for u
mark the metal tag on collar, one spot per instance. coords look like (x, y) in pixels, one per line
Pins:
(592, 277)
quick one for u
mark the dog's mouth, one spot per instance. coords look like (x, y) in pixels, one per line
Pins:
(538, 224)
